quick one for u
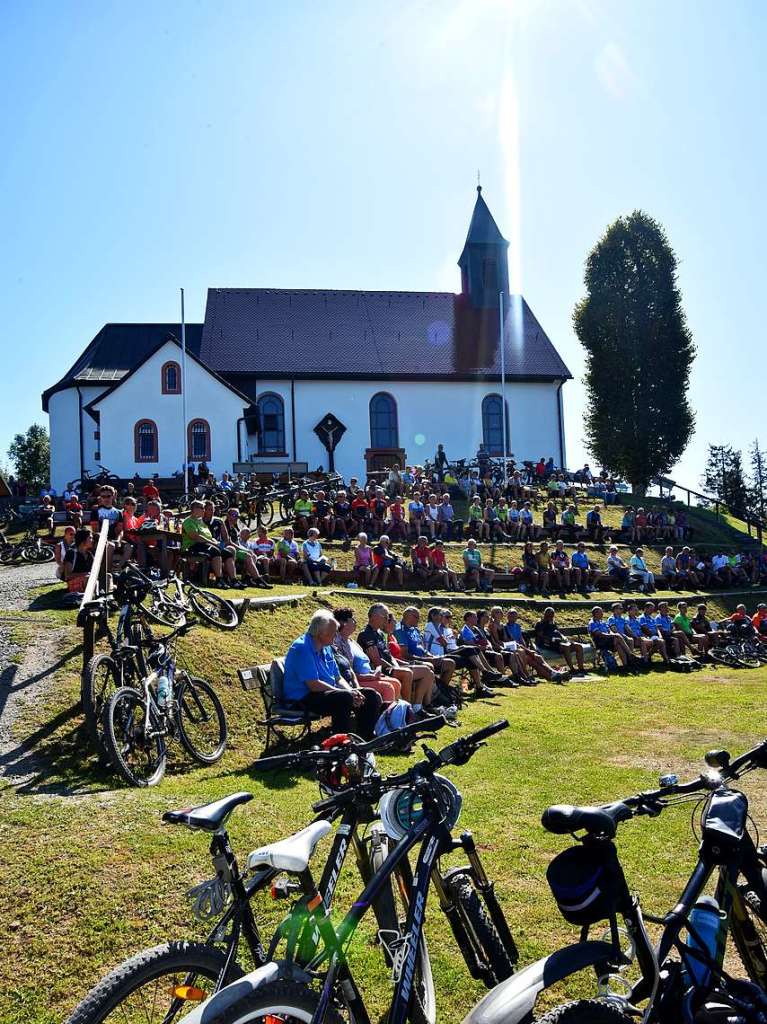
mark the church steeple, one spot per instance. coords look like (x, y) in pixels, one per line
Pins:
(484, 261)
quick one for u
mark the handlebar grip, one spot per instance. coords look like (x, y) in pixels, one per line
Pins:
(487, 732)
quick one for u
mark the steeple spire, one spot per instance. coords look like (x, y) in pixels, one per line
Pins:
(484, 262)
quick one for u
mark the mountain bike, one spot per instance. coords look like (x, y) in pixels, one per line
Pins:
(421, 807)
(739, 654)
(172, 599)
(258, 507)
(159, 984)
(124, 665)
(168, 704)
(681, 978)
(30, 548)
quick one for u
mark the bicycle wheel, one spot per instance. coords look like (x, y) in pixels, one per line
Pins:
(286, 509)
(213, 609)
(139, 757)
(480, 930)
(746, 657)
(390, 909)
(265, 513)
(142, 990)
(585, 1011)
(38, 553)
(724, 656)
(102, 677)
(7, 553)
(201, 720)
(748, 926)
(164, 611)
(286, 1002)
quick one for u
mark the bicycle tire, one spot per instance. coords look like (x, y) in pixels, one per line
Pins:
(482, 933)
(165, 612)
(38, 554)
(746, 658)
(124, 728)
(214, 610)
(191, 705)
(750, 936)
(286, 509)
(265, 513)
(585, 1011)
(94, 696)
(191, 961)
(289, 1002)
(723, 656)
(390, 910)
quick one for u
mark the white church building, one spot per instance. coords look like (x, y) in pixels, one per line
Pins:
(270, 370)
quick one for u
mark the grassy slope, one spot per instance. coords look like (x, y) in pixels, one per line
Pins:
(92, 877)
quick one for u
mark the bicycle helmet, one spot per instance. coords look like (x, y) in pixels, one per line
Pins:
(402, 809)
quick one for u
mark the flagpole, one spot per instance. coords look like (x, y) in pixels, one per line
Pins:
(183, 396)
(503, 386)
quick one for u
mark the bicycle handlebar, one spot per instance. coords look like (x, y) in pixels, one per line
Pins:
(458, 752)
(317, 756)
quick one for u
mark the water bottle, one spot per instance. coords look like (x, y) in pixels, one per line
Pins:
(163, 691)
(705, 918)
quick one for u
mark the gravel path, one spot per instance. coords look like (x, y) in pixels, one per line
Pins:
(24, 672)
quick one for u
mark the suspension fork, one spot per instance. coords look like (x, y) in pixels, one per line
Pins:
(486, 888)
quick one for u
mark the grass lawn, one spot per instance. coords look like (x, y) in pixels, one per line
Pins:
(90, 876)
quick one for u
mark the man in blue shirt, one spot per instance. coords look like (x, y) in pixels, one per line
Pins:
(313, 681)
(411, 640)
(665, 627)
(604, 639)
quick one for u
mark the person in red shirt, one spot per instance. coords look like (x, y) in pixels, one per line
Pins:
(439, 562)
(132, 523)
(759, 619)
(396, 522)
(74, 512)
(423, 568)
(150, 491)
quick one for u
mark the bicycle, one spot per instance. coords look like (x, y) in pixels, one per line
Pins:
(152, 977)
(172, 599)
(124, 665)
(30, 548)
(422, 807)
(168, 704)
(589, 886)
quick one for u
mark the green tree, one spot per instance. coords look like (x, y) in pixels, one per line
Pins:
(638, 352)
(30, 454)
(723, 477)
(758, 488)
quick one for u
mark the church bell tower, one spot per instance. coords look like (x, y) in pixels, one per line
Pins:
(484, 260)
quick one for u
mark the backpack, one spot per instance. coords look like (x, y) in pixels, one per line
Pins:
(397, 716)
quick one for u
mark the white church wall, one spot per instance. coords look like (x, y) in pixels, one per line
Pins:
(429, 413)
(140, 397)
(63, 412)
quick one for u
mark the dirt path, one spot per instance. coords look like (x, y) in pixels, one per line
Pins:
(17, 583)
(24, 677)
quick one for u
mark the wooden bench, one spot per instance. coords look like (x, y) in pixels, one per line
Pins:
(280, 715)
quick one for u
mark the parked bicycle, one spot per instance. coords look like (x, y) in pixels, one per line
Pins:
(420, 807)
(168, 704)
(681, 977)
(31, 548)
(159, 984)
(172, 599)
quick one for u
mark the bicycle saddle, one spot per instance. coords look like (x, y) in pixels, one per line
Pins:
(597, 821)
(294, 853)
(208, 817)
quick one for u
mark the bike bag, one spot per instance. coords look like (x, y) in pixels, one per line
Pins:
(724, 824)
(587, 882)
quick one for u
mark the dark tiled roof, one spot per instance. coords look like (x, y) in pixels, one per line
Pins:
(119, 348)
(354, 334)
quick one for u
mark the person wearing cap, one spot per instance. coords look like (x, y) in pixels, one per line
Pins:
(604, 639)
(703, 626)
(638, 569)
(759, 619)
(197, 540)
(439, 563)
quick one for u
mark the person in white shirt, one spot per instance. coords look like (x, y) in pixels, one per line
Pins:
(316, 568)
(439, 640)
(60, 551)
(638, 567)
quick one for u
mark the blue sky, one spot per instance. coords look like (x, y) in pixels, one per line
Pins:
(336, 144)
